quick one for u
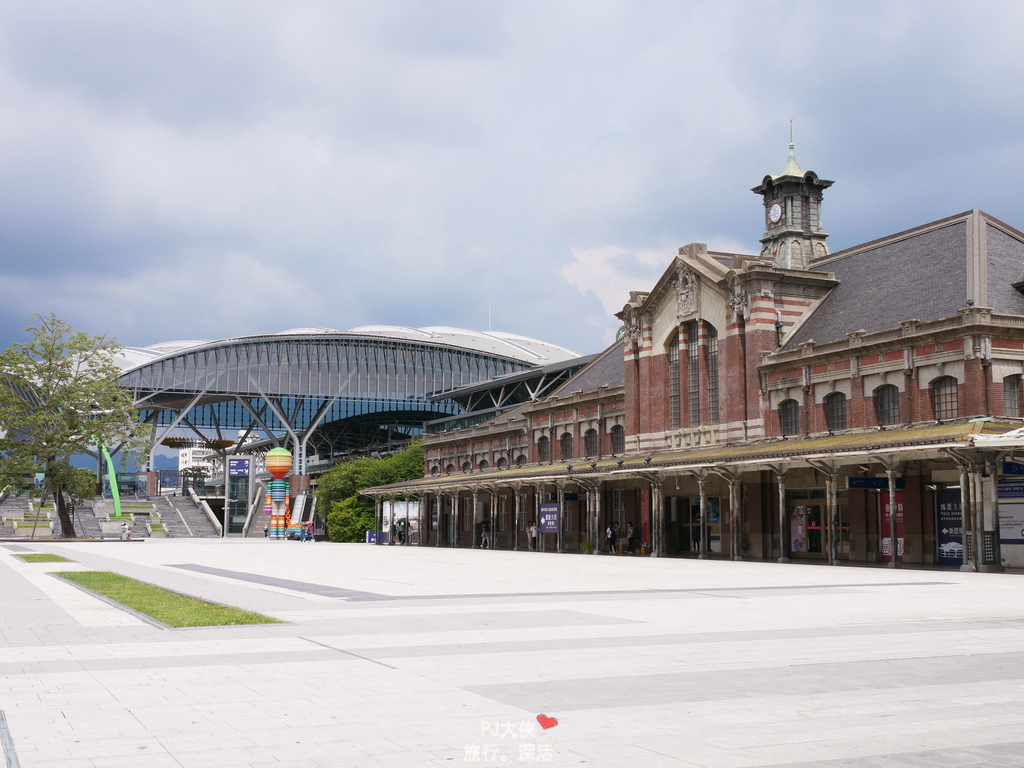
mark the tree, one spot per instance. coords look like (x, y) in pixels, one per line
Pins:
(349, 519)
(59, 395)
(351, 515)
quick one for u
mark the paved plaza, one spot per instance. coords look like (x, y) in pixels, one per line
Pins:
(395, 656)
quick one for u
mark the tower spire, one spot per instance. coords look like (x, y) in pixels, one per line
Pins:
(792, 166)
(793, 237)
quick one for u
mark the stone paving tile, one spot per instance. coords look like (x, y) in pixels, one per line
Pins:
(644, 662)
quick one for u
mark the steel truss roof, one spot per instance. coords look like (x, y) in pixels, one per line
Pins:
(295, 384)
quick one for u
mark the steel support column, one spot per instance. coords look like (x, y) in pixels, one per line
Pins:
(890, 473)
(780, 478)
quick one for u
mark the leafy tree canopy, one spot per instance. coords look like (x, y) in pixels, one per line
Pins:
(338, 489)
(58, 397)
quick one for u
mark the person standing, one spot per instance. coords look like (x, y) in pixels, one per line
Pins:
(533, 535)
(485, 536)
(266, 530)
(609, 540)
(615, 537)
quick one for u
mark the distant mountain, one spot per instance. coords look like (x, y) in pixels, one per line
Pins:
(84, 461)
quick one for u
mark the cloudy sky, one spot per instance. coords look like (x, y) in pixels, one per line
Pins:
(210, 169)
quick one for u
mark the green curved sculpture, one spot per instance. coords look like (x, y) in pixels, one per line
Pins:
(115, 494)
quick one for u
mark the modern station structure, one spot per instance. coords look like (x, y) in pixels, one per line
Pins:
(322, 393)
(789, 404)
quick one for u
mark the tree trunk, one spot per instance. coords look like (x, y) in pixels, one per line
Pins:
(67, 525)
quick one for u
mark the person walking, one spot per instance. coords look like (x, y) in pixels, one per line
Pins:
(485, 536)
(630, 536)
(533, 535)
(609, 540)
(615, 537)
(266, 530)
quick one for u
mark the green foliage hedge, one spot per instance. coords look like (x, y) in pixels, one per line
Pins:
(351, 515)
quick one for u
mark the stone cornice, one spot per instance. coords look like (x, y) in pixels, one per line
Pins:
(910, 333)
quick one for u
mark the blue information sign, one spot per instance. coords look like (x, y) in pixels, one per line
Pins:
(874, 483)
(1011, 489)
(1013, 468)
(238, 467)
(549, 518)
(951, 532)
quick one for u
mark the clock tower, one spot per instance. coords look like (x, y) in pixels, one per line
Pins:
(793, 236)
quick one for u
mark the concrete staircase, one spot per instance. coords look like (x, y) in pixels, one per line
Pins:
(170, 517)
(86, 523)
(197, 520)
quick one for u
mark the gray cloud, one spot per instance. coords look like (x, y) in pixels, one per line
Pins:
(210, 169)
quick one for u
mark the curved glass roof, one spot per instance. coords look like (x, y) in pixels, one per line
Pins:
(523, 348)
(365, 381)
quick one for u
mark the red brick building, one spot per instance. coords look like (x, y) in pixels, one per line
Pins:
(768, 407)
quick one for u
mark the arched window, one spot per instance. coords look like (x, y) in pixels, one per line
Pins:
(835, 411)
(483, 464)
(1011, 396)
(449, 469)
(693, 373)
(502, 462)
(789, 417)
(712, 360)
(566, 442)
(543, 449)
(618, 439)
(944, 398)
(520, 461)
(887, 405)
(435, 471)
(590, 442)
(466, 466)
(672, 352)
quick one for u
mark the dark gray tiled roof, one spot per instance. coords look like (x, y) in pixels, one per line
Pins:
(919, 277)
(1005, 256)
(608, 370)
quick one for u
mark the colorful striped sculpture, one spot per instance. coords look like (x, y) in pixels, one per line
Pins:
(279, 464)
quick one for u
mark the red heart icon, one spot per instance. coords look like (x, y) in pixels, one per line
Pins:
(546, 722)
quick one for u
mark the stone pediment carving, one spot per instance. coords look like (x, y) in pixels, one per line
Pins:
(737, 298)
(687, 284)
(634, 329)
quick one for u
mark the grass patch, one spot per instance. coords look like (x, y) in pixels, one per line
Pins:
(166, 607)
(44, 557)
(156, 526)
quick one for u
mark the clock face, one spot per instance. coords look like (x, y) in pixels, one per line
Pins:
(775, 214)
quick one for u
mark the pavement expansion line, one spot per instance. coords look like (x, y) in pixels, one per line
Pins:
(5, 738)
(342, 650)
(354, 595)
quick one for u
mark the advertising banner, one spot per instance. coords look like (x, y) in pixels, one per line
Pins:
(798, 529)
(951, 532)
(549, 518)
(645, 514)
(886, 530)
